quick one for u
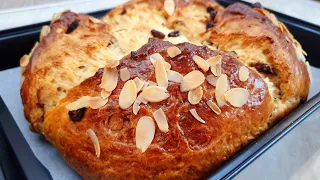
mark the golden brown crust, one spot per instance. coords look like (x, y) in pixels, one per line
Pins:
(60, 61)
(278, 83)
(259, 37)
(189, 150)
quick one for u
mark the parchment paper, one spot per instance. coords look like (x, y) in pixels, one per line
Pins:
(44, 151)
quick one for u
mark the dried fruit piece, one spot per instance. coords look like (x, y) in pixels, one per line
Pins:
(77, 115)
(195, 95)
(237, 97)
(154, 94)
(79, 103)
(105, 94)
(173, 51)
(157, 34)
(97, 102)
(95, 141)
(196, 115)
(169, 6)
(174, 76)
(72, 26)
(191, 81)
(24, 61)
(212, 79)
(161, 74)
(124, 74)
(202, 64)
(128, 94)
(243, 73)
(111, 63)
(214, 107)
(221, 87)
(262, 67)
(109, 79)
(145, 131)
(44, 31)
(174, 34)
(161, 120)
(139, 83)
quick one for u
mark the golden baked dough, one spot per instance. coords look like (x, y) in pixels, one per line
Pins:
(189, 150)
(75, 46)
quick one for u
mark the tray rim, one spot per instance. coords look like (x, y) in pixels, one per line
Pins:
(231, 167)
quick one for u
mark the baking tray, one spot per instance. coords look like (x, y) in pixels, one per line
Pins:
(17, 161)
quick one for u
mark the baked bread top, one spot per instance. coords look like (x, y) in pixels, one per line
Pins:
(254, 34)
(189, 149)
(75, 46)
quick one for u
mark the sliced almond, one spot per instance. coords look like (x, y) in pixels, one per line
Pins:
(111, 63)
(95, 141)
(109, 79)
(221, 87)
(154, 94)
(95, 20)
(151, 83)
(146, 84)
(173, 51)
(216, 69)
(309, 71)
(79, 103)
(195, 95)
(105, 94)
(196, 115)
(161, 120)
(128, 94)
(139, 83)
(237, 97)
(124, 74)
(135, 108)
(174, 76)
(97, 102)
(24, 61)
(214, 60)
(215, 108)
(59, 30)
(212, 79)
(56, 16)
(44, 31)
(145, 131)
(191, 81)
(202, 64)
(243, 73)
(154, 57)
(161, 74)
(169, 6)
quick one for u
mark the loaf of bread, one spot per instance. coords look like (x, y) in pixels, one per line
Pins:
(161, 89)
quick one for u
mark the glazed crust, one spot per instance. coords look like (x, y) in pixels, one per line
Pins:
(242, 28)
(190, 150)
(278, 83)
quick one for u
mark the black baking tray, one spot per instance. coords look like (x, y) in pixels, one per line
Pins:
(17, 161)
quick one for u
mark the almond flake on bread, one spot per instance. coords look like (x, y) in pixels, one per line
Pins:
(145, 131)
